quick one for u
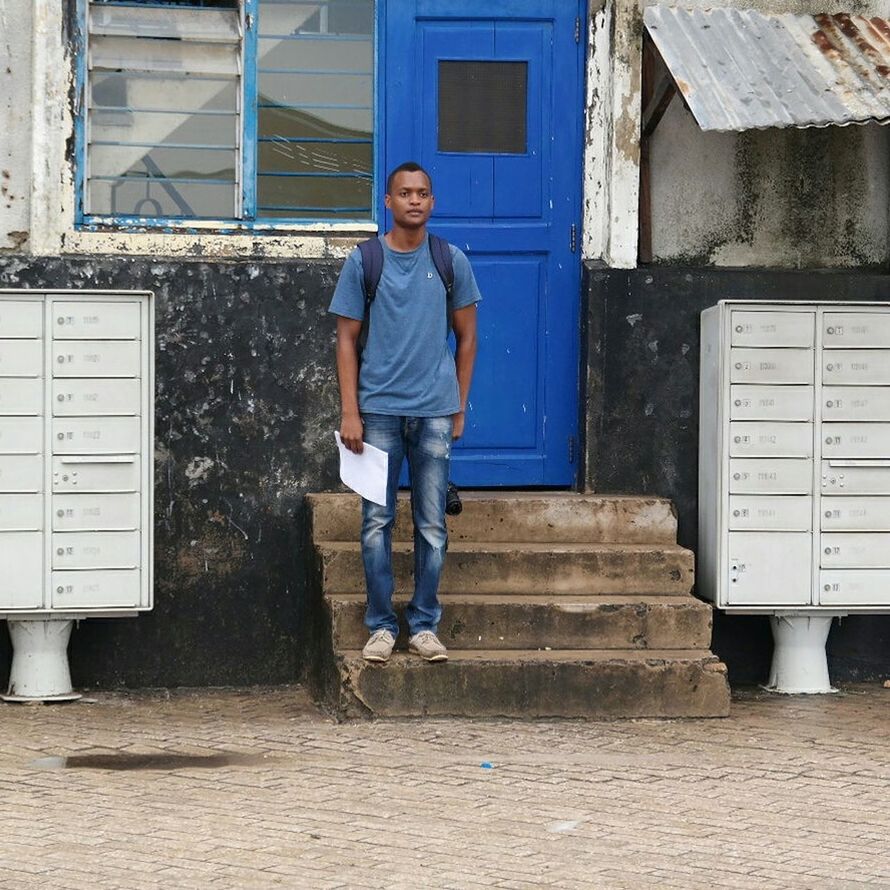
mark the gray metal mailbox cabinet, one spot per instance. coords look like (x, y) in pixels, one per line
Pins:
(794, 471)
(76, 471)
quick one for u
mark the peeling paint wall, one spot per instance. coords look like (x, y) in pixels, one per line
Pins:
(644, 326)
(15, 115)
(781, 198)
(246, 405)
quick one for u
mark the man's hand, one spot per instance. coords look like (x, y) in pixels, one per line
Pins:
(352, 432)
(457, 429)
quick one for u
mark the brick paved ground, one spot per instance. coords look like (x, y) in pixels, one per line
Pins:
(788, 792)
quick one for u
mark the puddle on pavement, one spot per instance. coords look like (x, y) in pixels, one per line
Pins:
(120, 762)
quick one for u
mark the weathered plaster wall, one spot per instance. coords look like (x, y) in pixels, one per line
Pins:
(15, 122)
(246, 405)
(780, 198)
(644, 330)
(37, 148)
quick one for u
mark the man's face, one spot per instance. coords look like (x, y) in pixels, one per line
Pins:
(410, 200)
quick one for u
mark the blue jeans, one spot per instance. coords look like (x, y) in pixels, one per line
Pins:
(427, 443)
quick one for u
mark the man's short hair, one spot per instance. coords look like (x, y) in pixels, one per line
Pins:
(407, 167)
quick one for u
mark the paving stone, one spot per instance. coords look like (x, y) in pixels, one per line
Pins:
(786, 792)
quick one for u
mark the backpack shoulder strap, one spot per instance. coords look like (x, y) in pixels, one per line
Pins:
(442, 260)
(372, 267)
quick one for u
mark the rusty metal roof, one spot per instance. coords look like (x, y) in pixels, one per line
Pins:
(740, 70)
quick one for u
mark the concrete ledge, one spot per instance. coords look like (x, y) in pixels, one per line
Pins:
(536, 622)
(560, 517)
(527, 568)
(590, 684)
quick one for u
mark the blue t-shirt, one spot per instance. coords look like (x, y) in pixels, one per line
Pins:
(407, 368)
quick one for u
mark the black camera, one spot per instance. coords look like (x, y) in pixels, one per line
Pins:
(453, 506)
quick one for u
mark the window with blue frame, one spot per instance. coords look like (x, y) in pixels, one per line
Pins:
(231, 110)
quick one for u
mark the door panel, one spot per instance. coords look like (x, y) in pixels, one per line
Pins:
(470, 92)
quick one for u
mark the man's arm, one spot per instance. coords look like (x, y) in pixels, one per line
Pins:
(463, 321)
(351, 429)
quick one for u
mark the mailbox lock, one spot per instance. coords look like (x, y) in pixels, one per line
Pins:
(829, 367)
(829, 403)
(738, 366)
(738, 439)
(60, 359)
(60, 551)
(828, 551)
(735, 512)
(60, 513)
(831, 330)
(738, 402)
(60, 320)
(828, 441)
(828, 514)
(736, 475)
(827, 588)
(60, 435)
(738, 329)
(60, 590)
(60, 398)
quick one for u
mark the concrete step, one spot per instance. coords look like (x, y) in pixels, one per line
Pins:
(536, 622)
(525, 568)
(570, 683)
(561, 517)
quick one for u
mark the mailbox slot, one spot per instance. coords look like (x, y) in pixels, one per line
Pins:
(771, 366)
(841, 329)
(96, 435)
(95, 512)
(75, 397)
(856, 366)
(750, 439)
(96, 358)
(770, 568)
(869, 440)
(771, 402)
(866, 550)
(95, 321)
(87, 473)
(770, 476)
(856, 514)
(772, 328)
(854, 587)
(95, 550)
(856, 403)
(760, 513)
(95, 589)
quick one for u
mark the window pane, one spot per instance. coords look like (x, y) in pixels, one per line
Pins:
(482, 107)
(316, 90)
(162, 199)
(308, 157)
(307, 195)
(169, 163)
(167, 93)
(340, 123)
(331, 17)
(163, 126)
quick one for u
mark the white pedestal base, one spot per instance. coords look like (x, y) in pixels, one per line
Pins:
(40, 661)
(799, 661)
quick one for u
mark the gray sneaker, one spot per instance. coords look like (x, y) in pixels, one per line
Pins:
(426, 644)
(379, 647)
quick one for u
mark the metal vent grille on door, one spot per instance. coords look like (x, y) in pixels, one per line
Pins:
(482, 106)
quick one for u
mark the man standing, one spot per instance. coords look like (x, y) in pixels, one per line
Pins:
(407, 396)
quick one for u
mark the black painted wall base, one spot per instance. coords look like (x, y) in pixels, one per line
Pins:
(246, 407)
(642, 343)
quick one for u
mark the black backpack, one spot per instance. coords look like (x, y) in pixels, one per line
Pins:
(372, 268)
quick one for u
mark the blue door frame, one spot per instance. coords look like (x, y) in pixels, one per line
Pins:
(514, 212)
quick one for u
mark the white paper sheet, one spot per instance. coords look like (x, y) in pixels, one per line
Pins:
(364, 473)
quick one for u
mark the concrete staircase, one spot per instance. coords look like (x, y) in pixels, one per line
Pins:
(554, 605)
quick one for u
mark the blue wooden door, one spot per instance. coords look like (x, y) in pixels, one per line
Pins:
(487, 96)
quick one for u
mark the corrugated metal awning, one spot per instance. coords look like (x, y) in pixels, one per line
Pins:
(739, 69)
